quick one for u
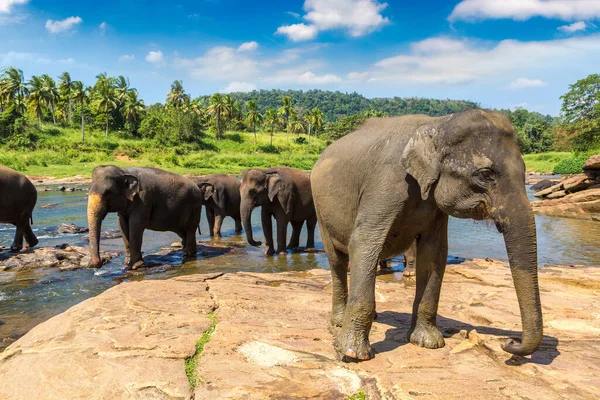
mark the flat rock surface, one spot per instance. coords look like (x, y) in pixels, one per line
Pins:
(65, 257)
(273, 340)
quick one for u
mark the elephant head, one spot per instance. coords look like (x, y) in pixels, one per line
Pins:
(209, 191)
(259, 188)
(471, 164)
(111, 190)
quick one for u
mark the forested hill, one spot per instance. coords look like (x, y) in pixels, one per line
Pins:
(337, 104)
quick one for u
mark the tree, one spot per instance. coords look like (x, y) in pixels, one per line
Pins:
(295, 125)
(219, 109)
(285, 110)
(14, 89)
(106, 98)
(582, 101)
(80, 95)
(253, 118)
(65, 86)
(177, 96)
(36, 98)
(271, 119)
(317, 119)
(133, 109)
(50, 94)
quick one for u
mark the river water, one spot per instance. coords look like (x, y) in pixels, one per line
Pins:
(30, 297)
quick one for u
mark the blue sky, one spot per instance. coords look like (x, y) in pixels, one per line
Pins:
(501, 54)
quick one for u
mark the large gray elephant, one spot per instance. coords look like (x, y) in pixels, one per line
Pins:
(144, 198)
(16, 206)
(221, 198)
(283, 193)
(395, 179)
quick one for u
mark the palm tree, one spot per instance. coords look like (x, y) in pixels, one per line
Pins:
(317, 119)
(309, 118)
(132, 109)
(122, 87)
(36, 96)
(285, 110)
(50, 93)
(177, 96)
(106, 97)
(295, 125)
(219, 109)
(80, 95)
(253, 117)
(65, 85)
(271, 119)
(15, 89)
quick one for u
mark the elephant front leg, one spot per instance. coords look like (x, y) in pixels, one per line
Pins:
(267, 226)
(238, 225)
(218, 224)
(136, 233)
(17, 243)
(282, 224)
(124, 228)
(432, 251)
(210, 216)
(311, 224)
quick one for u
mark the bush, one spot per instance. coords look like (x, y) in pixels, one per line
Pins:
(571, 165)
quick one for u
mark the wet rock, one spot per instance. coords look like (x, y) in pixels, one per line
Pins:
(70, 189)
(273, 340)
(543, 184)
(71, 228)
(62, 256)
(61, 188)
(113, 234)
(50, 205)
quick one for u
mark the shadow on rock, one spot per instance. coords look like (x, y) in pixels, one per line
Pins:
(397, 336)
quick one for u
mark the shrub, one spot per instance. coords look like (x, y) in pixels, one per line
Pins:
(571, 165)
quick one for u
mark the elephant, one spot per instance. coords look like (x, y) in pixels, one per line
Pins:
(394, 179)
(16, 206)
(143, 198)
(221, 198)
(283, 193)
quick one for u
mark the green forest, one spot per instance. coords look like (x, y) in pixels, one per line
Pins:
(62, 127)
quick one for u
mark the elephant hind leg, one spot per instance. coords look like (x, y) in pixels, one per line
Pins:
(17, 244)
(238, 225)
(30, 237)
(295, 239)
(188, 240)
(338, 264)
(311, 224)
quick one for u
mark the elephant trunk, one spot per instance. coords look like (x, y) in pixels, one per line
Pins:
(517, 223)
(246, 214)
(96, 212)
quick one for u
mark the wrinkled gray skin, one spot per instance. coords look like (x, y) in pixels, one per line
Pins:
(221, 198)
(395, 179)
(143, 198)
(283, 193)
(16, 206)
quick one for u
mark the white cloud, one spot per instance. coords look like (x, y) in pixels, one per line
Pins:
(298, 32)
(566, 10)
(221, 63)
(13, 19)
(239, 87)
(301, 75)
(358, 17)
(358, 76)
(102, 28)
(6, 5)
(574, 27)
(430, 62)
(248, 46)
(522, 83)
(127, 57)
(293, 14)
(155, 57)
(62, 26)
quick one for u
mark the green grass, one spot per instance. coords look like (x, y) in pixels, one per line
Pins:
(360, 395)
(59, 152)
(544, 162)
(191, 363)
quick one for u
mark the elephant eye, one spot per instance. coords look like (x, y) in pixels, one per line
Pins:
(485, 175)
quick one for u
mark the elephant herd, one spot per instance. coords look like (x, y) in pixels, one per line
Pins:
(384, 189)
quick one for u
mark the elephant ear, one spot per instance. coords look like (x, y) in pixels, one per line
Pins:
(132, 186)
(208, 190)
(421, 161)
(277, 187)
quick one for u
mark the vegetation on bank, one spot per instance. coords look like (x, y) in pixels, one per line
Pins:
(191, 363)
(61, 128)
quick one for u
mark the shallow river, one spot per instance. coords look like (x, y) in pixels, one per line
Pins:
(30, 297)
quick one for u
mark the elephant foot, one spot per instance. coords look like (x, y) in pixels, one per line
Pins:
(426, 335)
(269, 252)
(138, 264)
(336, 319)
(354, 346)
(293, 246)
(282, 252)
(95, 263)
(15, 248)
(32, 243)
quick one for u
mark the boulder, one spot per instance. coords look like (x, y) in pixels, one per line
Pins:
(71, 228)
(543, 184)
(577, 183)
(592, 163)
(63, 256)
(272, 340)
(557, 195)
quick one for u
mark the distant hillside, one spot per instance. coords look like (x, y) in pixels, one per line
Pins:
(337, 104)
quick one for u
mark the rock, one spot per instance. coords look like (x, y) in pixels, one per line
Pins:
(577, 183)
(70, 189)
(543, 184)
(273, 340)
(71, 228)
(61, 188)
(556, 195)
(65, 257)
(114, 234)
(592, 163)
(576, 205)
(549, 190)
(50, 205)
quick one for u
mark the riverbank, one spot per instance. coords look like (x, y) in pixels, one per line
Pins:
(267, 335)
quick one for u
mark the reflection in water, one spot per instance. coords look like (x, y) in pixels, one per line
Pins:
(30, 297)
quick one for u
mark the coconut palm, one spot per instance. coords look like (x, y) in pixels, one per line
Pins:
(177, 96)
(50, 94)
(295, 125)
(285, 110)
(133, 109)
(253, 117)
(309, 118)
(271, 119)
(106, 96)
(36, 97)
(317, 119)
(15, 89)
(65, 86)
(219, 109)
(80, 95)
(122, 87)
